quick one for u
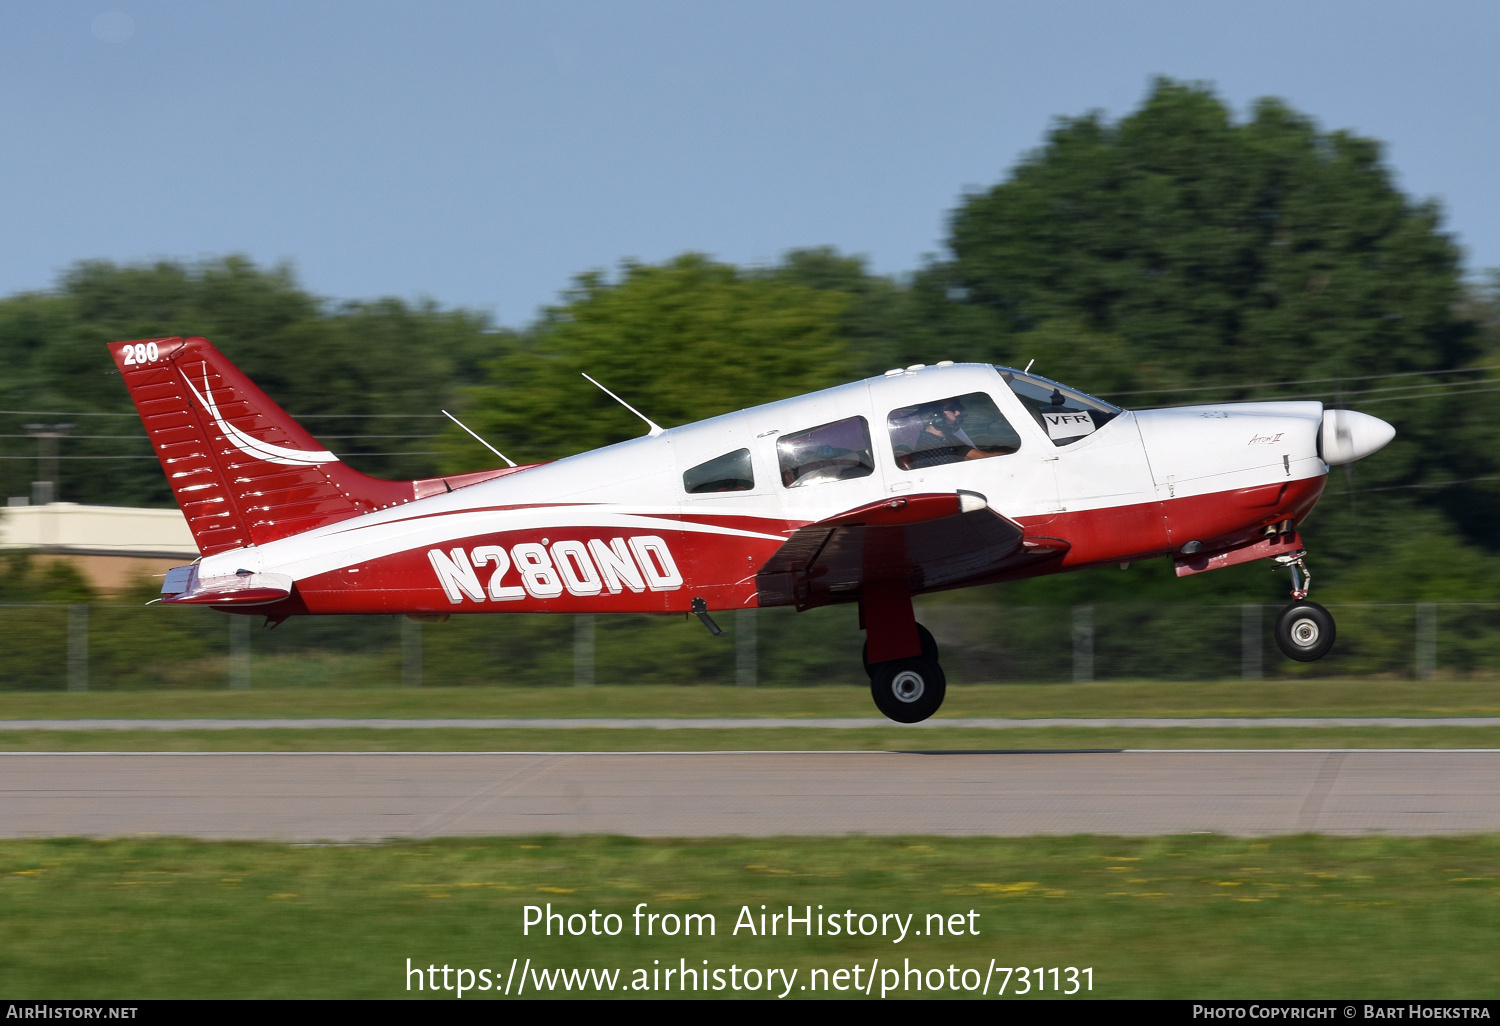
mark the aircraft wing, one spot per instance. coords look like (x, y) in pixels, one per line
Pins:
(930, 541)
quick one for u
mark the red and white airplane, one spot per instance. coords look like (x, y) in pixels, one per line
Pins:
(924, 479)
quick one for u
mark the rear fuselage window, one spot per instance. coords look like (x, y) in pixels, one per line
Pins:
(728, 473)
(964, 427)
(1066, 414)
(833, 452)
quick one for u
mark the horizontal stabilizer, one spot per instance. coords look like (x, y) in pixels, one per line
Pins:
(238, 589)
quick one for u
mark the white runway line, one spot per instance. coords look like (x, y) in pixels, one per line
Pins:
(757, 723)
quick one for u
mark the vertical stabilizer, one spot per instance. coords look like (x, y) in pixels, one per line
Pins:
(241, 469)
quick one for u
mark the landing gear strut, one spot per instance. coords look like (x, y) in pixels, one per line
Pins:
(1301, 576)
(1305, 631)
(929, 650)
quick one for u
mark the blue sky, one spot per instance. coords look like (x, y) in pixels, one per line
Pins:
(481, 154)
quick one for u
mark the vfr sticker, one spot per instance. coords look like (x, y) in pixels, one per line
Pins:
(1068, 425)
(579, 568)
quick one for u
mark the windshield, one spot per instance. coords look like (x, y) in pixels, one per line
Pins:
(1066, 414)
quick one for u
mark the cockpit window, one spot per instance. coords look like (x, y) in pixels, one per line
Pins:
(964, 427)
(728, 473)
(1066, 414)
(832, 452)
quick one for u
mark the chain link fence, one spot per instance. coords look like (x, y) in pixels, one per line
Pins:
(113, 647)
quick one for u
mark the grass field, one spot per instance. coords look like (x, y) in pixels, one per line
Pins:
(1328, 697)
(1129, 699)
(1187, 917)
(1196, 916)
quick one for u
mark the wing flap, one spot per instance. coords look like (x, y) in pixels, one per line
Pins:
(929, 542)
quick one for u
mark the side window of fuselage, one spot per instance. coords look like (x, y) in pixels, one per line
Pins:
(830, 452)
(963, 427)
(731, 472)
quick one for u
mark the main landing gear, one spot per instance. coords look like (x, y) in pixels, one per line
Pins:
(1305, 630)
(900, 655)
(908, 690)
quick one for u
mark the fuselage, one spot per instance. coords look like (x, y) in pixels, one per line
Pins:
(651, 524)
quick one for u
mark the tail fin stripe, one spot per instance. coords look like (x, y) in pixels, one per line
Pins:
(181, 445)
(254, 446)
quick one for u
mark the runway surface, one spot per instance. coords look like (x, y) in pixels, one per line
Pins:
(761, 722)
(369, 796)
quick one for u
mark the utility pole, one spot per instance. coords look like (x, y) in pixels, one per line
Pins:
(44, 489)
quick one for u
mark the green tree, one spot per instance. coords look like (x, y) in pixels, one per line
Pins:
(1221, 252)
(679, 341)
(1179, 255)
(368, 378)
(880, 323)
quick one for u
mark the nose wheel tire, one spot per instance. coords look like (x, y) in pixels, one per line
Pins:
(929, 651)
(908, 690)
(1305, 631)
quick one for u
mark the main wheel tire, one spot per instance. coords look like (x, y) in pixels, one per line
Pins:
(929, 650)
(1305, 631)
(908, 690)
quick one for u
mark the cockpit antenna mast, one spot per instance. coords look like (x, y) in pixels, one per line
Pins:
(656, 428)
(1028, 365)
(481, 441)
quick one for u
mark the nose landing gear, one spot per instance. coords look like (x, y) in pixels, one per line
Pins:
(1305, 631)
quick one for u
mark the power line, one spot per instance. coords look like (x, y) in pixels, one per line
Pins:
(146, 438)
(340, 455)
(52, 413)
(1395, 398)
(1414, 389)
(1404, 392)
(294, 416)
(1424, 484)
(1277, 384)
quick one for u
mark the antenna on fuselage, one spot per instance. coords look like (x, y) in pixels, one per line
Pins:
(1028, 365)
(481, 441)
(656, 428)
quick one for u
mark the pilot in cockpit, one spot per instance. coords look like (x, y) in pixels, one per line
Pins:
(942, 438)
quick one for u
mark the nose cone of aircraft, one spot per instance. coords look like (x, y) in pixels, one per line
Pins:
(1348, 436)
